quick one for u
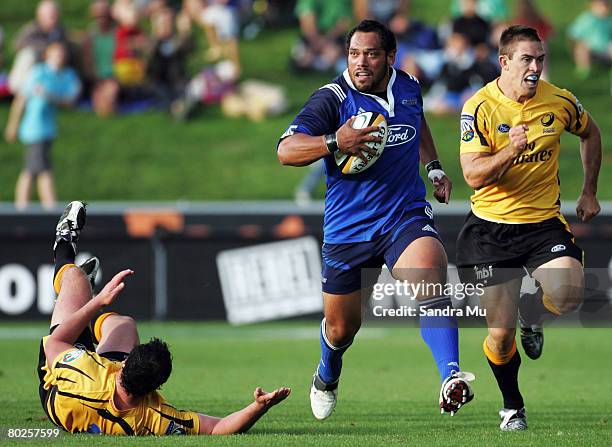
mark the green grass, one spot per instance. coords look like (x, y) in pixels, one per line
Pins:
(150, 157)
(388, 394)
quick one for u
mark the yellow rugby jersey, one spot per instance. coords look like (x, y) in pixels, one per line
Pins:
(81, 386)
(529, 191)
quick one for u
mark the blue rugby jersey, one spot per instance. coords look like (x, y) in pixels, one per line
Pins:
(359, 207)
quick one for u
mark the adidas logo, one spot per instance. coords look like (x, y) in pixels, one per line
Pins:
(429, 228)
(360, 110)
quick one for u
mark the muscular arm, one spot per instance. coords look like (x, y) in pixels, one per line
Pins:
(242, 420)
(427, 147)
(300, 149)
(483, 169)
(590, 153)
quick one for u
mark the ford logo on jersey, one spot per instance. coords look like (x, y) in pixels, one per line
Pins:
(400, 134)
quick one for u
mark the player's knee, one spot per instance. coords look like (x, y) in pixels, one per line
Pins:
(565, 299)
(126, 321)
(501, 340)
(340, 331)
(123, 322)
(569, 305)
(73, 273)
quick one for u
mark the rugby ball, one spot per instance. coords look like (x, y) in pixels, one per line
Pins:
(351, 164)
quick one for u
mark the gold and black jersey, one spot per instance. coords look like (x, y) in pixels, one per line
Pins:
(81, 386)
(529, 191)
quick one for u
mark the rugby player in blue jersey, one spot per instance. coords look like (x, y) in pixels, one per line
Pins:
(378, 216)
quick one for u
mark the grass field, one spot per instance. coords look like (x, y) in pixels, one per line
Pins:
(213, 158)
(388, 394)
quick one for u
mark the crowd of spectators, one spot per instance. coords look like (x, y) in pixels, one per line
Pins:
(136, 54)
(451, 60)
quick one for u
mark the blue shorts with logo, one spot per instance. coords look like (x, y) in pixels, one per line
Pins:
(343, 263)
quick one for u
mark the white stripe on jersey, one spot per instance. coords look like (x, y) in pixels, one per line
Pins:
(336, 89)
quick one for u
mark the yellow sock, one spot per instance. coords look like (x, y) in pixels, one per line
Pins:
(550, 306)
(98, 324)
(57, 281)
(498, 359)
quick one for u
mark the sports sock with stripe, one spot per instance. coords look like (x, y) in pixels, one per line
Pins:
(63, 254)
(506, 372)
(440, 333)
(330, 364)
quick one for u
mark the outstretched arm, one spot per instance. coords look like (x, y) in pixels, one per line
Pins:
(242, 420)
(428, 154)
(68, 331)
(590, 152)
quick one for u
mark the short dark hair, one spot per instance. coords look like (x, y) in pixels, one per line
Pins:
(387, 39)
(513, 34)
(146, 368)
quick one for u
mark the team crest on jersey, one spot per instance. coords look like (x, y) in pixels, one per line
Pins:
(72, 355)
(467, 127)
(175, 429)
(467, 135)
(547, 119)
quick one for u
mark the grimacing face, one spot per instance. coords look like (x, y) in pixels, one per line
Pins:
(368, 62)
(525, 66)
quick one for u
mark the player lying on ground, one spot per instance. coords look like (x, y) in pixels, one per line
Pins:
(112, 389)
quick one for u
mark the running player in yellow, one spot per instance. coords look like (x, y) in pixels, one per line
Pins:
(112, 389)
(510, 135)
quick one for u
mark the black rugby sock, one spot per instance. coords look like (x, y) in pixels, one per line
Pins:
(63, 254)
(507, 380)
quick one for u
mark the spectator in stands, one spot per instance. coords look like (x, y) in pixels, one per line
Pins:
(493, 11)
(470, 24)
(98, 48)
(221, 24)
(33, 117)
(527, 14)
(461, 75)
(167, 66)
(591, 34)
(418, 50)
(220, 21)
(390, 12)
(33, 39)
(131, 45)
(323, 25)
